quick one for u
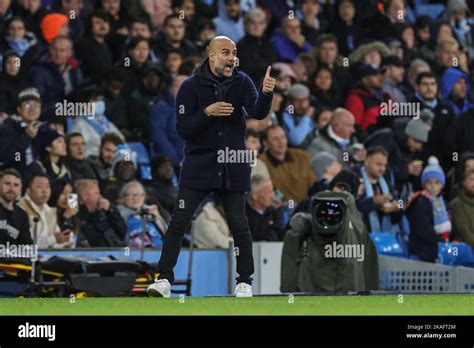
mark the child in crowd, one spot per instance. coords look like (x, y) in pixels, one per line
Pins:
(427, 214)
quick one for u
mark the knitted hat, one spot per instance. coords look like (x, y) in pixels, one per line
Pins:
(46, 137)
(433, 171)
(298, 91)
(321, 161)
(28, 94)
(51, 26)
(418, 130)
(348, 180)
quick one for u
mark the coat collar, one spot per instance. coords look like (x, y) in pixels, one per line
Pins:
(206, 77)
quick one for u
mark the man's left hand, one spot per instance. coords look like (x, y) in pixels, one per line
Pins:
(269, 82)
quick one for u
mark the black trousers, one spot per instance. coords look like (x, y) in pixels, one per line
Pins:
(186, 204)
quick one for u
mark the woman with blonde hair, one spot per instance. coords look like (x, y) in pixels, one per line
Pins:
(133, 210)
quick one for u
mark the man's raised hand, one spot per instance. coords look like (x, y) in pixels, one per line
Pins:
(219, 109)
(269, 82)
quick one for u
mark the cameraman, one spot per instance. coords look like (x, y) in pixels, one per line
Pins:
(311, 257)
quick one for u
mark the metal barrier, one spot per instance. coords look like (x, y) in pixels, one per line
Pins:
(411, 275)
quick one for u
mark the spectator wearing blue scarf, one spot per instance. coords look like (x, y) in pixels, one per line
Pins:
(427, 214)
(378, 206)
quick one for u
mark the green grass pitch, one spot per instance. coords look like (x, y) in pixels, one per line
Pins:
(462, 304)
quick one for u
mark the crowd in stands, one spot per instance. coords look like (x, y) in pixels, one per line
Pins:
(375, 90)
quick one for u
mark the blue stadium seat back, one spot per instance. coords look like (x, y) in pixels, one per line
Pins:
(421, 2)
(143, 157)
(403, 241)
(455, 254)
(432, 10)
(410, 14)
(387, 244)
(145, 172)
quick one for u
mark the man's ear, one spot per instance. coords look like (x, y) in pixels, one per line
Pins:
(212, 55)
(18, 109)
(253, 195)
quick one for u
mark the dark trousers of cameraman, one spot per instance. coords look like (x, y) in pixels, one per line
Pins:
(186, 204)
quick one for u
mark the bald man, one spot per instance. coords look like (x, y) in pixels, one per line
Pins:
(338, 139)
(211, 107)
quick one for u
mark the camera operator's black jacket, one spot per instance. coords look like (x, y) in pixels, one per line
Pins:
(205, 135)
(305, 267)
(101, 228)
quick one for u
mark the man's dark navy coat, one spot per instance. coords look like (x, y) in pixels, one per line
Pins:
(205, 135)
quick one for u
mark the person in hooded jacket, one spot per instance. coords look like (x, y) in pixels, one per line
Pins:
(144, 98)
(455, 87)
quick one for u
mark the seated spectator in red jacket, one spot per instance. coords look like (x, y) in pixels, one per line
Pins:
(365, 101)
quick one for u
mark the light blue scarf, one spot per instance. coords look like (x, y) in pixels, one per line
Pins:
(375, 225)
(19, 46)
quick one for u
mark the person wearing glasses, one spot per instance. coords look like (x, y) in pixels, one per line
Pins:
(133, 210)
(19, 144)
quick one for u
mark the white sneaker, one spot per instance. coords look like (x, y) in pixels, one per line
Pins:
(161, 288)
(243, 290)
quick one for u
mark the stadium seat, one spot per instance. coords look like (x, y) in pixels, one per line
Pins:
(455, 254)
(434, 10)
(143, 159)
(387, 244)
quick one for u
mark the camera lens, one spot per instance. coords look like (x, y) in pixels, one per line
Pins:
(329, 214)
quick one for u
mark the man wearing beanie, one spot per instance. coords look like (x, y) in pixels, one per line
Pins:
(404, 146)
(19, 145)
(326, 167)
(345, 181)
(298, 120)
(54, 25)
(427, 214)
